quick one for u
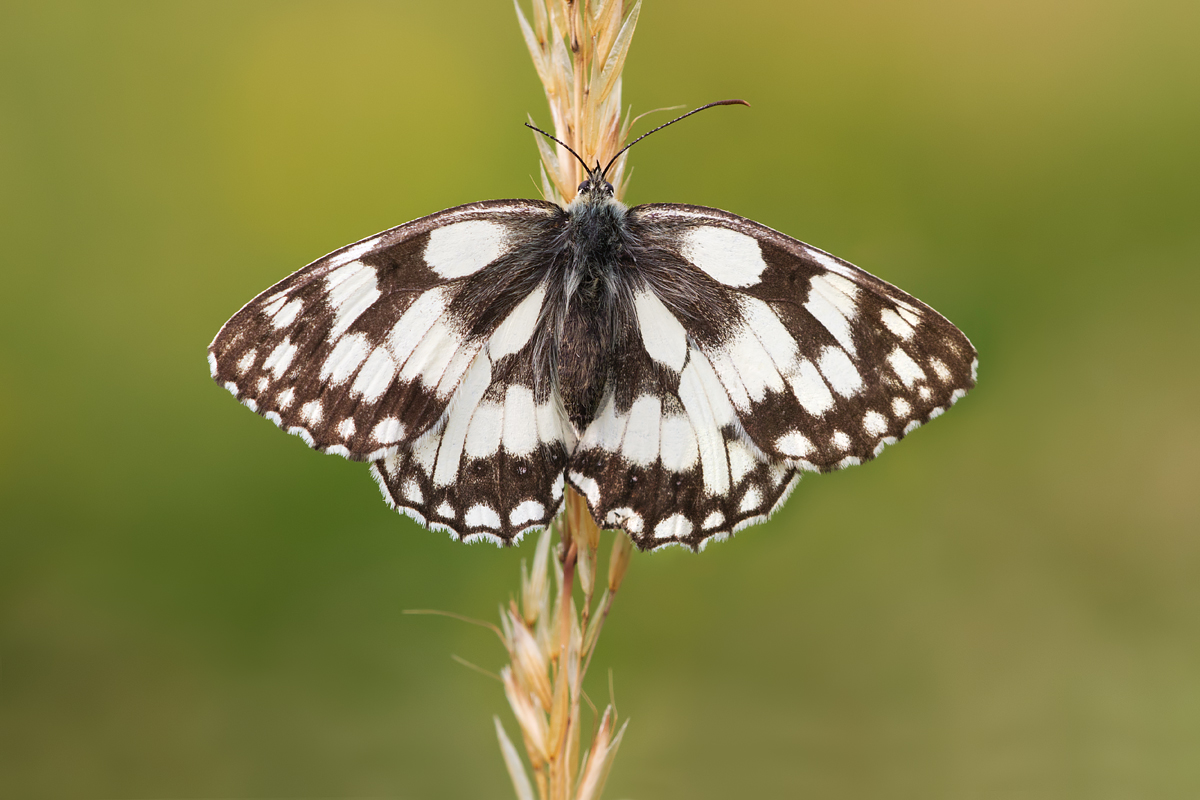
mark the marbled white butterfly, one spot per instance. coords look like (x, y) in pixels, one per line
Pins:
(678, 366)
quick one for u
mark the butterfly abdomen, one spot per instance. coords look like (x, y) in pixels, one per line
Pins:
(596, 243)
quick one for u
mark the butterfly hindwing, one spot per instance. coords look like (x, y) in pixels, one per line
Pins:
(493, 466)
(666, 458)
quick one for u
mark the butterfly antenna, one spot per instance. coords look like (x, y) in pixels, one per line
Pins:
(665, 124)
(564, 144)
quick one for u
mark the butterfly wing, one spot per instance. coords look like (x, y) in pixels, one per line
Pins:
(802, 362)
(493, 466)
(666, 457)
(406, 338)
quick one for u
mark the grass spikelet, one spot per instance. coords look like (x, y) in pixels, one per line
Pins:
(578, 48)
(549, 656)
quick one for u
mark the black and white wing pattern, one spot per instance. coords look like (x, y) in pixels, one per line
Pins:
(412, 349)
(748, 358)
(679, 366)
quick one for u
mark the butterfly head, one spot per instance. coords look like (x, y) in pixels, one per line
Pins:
(594, 186)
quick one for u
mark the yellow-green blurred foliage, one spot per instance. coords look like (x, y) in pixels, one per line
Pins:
(1007, 604)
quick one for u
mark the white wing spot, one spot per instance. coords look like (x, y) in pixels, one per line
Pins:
(527, 511)
(433, 357)
(311, 412)
(732, 258)
(464, 248)
(416, 320)
(483, 437)
(925, 393)
(830, 263)
(388, 430)
(261, 384)
(708, 409)
(520, 435)
(940, 370)
(246, 362)
(552, 424)
(840, 440)
(347, 355)
(424, 451)
(874, 423)
(677, 445)
(517, 328)
(445, 511)
(662, 335)
(412, 491)
(482, 516)
(286, 398)
(287, 315)
(713, 520)
(640, 444)
(459, 363)
(907, 369)
(900, 408)
(352, 290)
(793, 444)
(591, 489)
(751, 500)
(896, 324)
(741, 460)
(345, 428)
(909, 314)
(674, 526)
(272, 305)
(755, 367)
(376, 376)
(280, 358)
(810, 389)
(839, 370)
(831, 300)
(454, 435)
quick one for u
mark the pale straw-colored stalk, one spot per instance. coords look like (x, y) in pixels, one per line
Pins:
(578, 48)
(550, 642)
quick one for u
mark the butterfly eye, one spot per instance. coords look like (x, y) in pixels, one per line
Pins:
(608, 188)
(583, 187)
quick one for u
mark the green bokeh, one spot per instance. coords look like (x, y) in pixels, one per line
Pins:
(1006, 605)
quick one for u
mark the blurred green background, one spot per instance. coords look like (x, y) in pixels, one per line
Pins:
(1006, 605)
